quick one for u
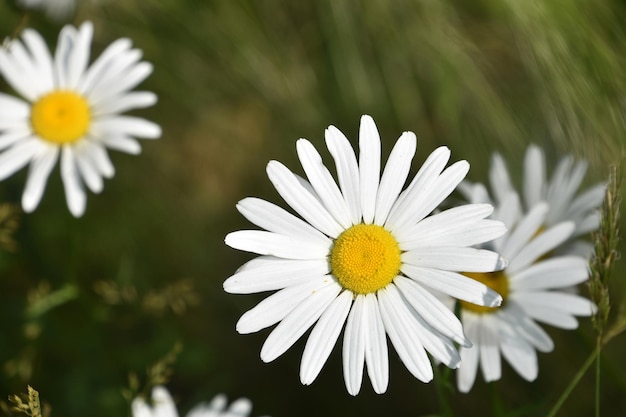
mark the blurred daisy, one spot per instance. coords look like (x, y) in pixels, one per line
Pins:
(535, 286)
(559, 192)
(365, 255)
(163, 406)
(54, 9)
(70, 110)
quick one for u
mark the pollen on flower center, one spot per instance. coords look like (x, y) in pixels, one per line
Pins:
(60, 117)
(497, 281)
(365, 258)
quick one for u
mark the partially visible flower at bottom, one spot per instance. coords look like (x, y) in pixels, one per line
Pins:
(163, 406)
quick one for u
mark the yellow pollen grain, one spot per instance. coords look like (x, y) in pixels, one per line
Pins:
(365, 258)
(497, 281)
(60, 117)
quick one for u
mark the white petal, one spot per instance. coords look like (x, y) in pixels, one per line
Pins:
(268, 243)
(74, 193)
(131, 77)
(561, 198)
(568, 303)
(354, 346)
(394, 175)
(323, 182)
(466, 374)
(79, 55)
(239, 408)
(521, 356)
(140, 408)
(558, 272)
(403, 333)
(454, 285)
(268, 274)
(40, 168)
(347, 171)
(298, 321)
(540, 245)
(423, 181)
(88, 171)
(548, 315)
(489, 349)
(102, 66)
(42, 59)
(100, 159)
(18, 156)
(451, 228)
(270, 217)
(129, 101)
(524, 231)
(301, 200)
(19, 75)
(430, 198)
(499, 178)
(163, 404)
(433, 311)
(445, 223)
(534, 176)
(324, 337)
(451, 258)
(524, 326)
(375, 345)
(67, 39)
(440, 347)
(125, 126)
(278, 305)
(123, 144)
(369, 166)
(14, 108)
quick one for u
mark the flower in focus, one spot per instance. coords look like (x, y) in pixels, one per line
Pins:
(559, 192)
(366, 255)
(70, 110)
(536, 286)
(55, 9)
(163, 406)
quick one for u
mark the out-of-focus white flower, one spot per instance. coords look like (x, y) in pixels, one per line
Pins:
(163, 406)
(70, 110)
(366, 255)
(54, 9)
(560, 192)
(536, 286)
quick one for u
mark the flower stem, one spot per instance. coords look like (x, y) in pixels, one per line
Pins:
(442, 383)
(597, 407)
(575, 380)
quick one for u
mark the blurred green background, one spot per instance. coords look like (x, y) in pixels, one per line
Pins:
(85, 303)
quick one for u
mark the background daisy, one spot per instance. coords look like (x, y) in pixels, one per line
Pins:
(536, 286)
(365, 255)
(560, 192)
(162, 405)
(70, 110)
(55, 9)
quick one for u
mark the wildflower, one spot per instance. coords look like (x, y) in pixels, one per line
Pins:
(163, 406)
(537, 286)
(365, 255)
(70, 111)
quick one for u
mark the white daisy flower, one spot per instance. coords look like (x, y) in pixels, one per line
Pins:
(559, 192)
(535, 285)
(365, 255)
(54, 9)
(163, 406)
(70, 110)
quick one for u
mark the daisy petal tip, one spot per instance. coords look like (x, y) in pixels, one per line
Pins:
(501, 263)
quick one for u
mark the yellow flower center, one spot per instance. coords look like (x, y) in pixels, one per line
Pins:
(60, 117)
(365, 258)
(497, 281)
